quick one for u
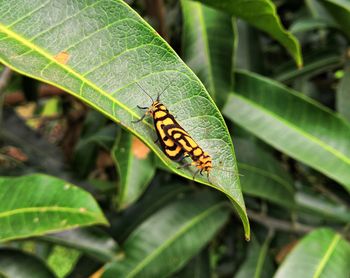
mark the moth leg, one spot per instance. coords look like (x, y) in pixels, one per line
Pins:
(139, 120)
(201, 172)
(141, 107)
(184, 165)
(195, 174)
(156, 141)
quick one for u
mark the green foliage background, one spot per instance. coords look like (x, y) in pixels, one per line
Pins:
(262, 86)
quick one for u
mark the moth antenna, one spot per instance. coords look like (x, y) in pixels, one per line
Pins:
(171, 82)
(144, 91)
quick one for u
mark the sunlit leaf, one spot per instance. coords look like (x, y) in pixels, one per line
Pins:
(322, 253)
(110, 49)
(292, 123)
(39, 204)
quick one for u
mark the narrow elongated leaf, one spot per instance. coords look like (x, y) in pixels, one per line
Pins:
(91, 242)
(262, 175)
(136, 168)
(292, 123)
(38, 204)
(343, 95)
(340, 11)
(322, 253)
(315, 63)
(168, 239)
(263, 15)
(314, 204)
(308, 24)
(98, 52)
(16, 264)
(208, 40)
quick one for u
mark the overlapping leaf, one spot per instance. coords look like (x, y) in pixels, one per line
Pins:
(262, 175)
(15, 263)
(98, 51)
(169, 238)
(136, 168)
(322, 253)
(292, 123)
(208, 44)
(261, 14)
(38, 204)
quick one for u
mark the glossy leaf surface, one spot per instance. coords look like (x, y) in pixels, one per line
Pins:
(169, 238)
(261, 14)
(322, 253)
(136, 168)
(108, 50)
(38, 204)
(292, 123)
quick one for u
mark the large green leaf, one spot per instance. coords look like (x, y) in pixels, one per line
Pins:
(292, 123)
(98, 52)
(167, 240)
(38, 204)
(322, 253)
(340, 11)
(135, 165)
(262, 175)
(16, 264)
(263, 15)
(208, 41)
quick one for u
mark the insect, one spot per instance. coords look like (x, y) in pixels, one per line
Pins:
(176, 143)
(161, 118)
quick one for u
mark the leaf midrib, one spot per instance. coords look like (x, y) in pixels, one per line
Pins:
(312, 138)
(48, 209)
(178, 234)
(327, 255)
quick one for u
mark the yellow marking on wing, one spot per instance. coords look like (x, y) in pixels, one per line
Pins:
(184, 145)
(159, 114)
(168, 121)
(197, 152)
(177, 129)
(192, 143)
(160, 129)
(177, 135)
(169, 143)
(173, 153)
